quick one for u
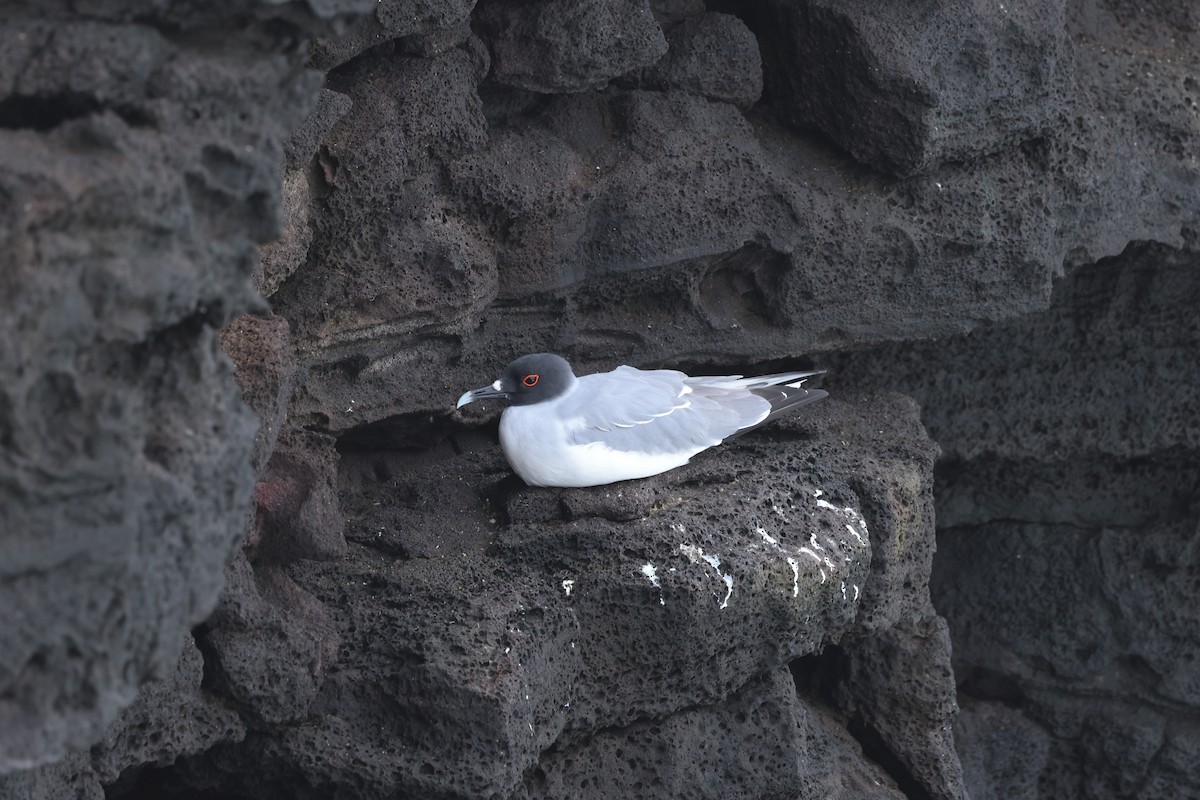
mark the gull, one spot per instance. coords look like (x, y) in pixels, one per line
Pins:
(569, 431)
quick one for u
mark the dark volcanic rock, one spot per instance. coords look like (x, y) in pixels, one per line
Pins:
(138, 173)
(306, 138)
(1112, 355)
(609, 180)
(295, 500)
(172, 716)
(569, 45)
(383, 242)
(714, 55)
(269, 644)
(469, 665)
(1068, 550)
(762, 742)
(1003, 752)
(905, 87)
(392, 20)
(265, 370)
(723, 235)
(281, 258)
(900, 683)
(739, 257)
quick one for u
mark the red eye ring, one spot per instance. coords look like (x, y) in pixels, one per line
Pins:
(530, 380)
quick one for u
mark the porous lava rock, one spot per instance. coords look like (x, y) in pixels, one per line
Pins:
(489, 632)
(139, 153)
(994, 210)
(1068, 529)
(548, 221)
(549, 46)
(906, 87)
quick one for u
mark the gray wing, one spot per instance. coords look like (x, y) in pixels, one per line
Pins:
(659, 411)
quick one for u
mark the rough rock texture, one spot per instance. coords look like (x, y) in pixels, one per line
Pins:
(170, 717)
(687, 66)
(268, 645)
(407, 24)
(569, 45)
(510, 222)
(763, 741)
(478, 650)
(937, 200)
(905, 87)
(1070, 530)
(137, 175)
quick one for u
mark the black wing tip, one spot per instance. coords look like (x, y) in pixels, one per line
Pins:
(801, 398)
(785, 397)
(784, 400)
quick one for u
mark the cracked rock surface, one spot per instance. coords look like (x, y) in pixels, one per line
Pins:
(248, 550)
(1068, 530)
(138, 175)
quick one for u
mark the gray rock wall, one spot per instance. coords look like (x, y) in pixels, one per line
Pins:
(139, 171)
(335, 588)
(1068, 530)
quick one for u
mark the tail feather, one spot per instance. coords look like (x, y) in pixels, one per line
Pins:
(753, 382)
(784, 398)
(793, 379)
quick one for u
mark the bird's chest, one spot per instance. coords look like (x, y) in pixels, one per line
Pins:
(536, 446)
(541, 448)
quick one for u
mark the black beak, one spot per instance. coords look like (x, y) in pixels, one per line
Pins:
(483, 393)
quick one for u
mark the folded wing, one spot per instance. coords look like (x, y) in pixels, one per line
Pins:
(665, 411)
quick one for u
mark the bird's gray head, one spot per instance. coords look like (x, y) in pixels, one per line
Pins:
(530, 379)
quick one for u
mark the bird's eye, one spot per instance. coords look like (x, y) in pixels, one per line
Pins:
(530, 380)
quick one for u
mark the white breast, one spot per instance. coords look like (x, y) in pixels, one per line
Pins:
(535, 442)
